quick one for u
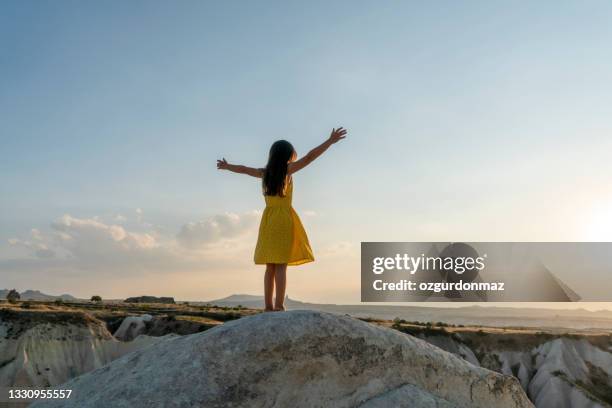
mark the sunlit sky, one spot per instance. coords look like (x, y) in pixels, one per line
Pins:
(468, 121)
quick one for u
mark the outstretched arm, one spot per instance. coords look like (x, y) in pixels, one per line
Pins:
(236, 168)
(336, 136)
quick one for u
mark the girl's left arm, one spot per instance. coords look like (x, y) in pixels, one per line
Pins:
(335, 136)
(236, 168)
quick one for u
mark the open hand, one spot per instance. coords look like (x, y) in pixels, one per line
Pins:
(337, 135)
(222, 164)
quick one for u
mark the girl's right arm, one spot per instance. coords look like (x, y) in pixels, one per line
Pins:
(236, 168)
(336, 136)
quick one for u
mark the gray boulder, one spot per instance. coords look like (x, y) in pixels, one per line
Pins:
(292, 359)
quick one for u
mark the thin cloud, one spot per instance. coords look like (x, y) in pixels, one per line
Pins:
(35, 245)
(90, 244)
(220, 227)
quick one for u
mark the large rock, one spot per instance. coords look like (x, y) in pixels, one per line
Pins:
(41, 349)
(132, 326)
(292, 359)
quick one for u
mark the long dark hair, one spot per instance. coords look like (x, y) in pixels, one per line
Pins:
(275, 173)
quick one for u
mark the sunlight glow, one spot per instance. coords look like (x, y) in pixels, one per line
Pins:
(599, 227)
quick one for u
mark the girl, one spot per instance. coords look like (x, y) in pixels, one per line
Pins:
(282, 240)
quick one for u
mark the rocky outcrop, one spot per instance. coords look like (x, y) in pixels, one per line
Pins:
(149, 299)
(41, 349)
(565, 372)
(297, 359)
(571, 373)
(132, 326)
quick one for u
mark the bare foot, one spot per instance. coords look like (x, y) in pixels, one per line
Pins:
(280, 308)
(269, 309)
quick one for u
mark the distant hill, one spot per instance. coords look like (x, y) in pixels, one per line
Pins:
(254, 301)
(30, 294)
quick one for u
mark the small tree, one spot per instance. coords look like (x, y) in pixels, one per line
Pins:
(96, 298)
(13, 296)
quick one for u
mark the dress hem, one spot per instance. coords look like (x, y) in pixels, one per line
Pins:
(289, 263)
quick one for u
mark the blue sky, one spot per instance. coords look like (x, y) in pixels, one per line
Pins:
(467, 120)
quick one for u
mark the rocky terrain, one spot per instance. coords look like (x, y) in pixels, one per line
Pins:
(48, 348)
(49, 343)
(556, 371)
(296, 359)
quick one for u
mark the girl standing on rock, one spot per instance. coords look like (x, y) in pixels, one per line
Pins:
(282, 240)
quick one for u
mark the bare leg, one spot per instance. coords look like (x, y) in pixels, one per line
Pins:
(280, 278)
(269, 286)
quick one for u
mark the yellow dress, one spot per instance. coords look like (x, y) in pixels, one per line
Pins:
(282, 239)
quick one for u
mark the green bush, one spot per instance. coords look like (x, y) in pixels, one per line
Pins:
(13, 296)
